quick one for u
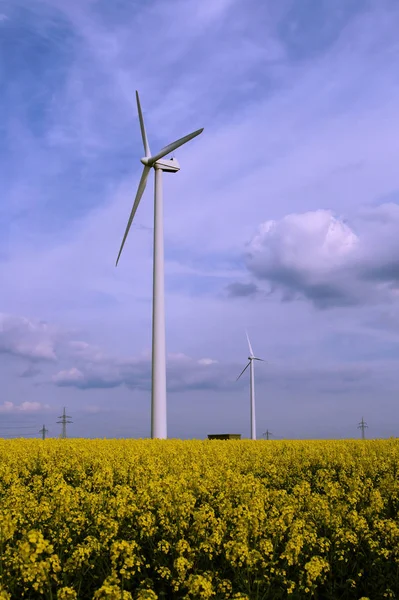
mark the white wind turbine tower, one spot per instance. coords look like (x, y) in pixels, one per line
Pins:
(251, 359)
(159, 164)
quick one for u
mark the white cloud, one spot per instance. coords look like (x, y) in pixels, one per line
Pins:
(207, 361)
(28, 339)
(87, 366)
(68, 377)
(314, 242)
(184, 373)
(24, 407)
(318, 256)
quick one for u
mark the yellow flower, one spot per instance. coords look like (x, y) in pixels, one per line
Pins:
(163, 518)
(67, 593)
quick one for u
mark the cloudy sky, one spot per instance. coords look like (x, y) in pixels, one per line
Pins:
(284, 218)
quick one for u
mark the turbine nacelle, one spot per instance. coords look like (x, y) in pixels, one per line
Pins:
(169, 166)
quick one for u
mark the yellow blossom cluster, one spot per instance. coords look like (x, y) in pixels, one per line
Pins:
(165, 519)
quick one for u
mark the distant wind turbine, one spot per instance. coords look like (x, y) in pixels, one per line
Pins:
(251, 359)
(159, 164)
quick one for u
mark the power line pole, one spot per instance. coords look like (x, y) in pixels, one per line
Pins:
(362, 425)
(267, 434)
(64, 421)
(43, 431)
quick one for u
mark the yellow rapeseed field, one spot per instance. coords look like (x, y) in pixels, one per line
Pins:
(147, 519)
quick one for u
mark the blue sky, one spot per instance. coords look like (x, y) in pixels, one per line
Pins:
(284, 218)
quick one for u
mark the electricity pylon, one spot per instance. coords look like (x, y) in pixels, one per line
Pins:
(267, 434)
(64, 420)
(362, 425)
(43, 431)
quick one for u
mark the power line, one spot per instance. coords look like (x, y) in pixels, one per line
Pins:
(17, 427)
(15, 435)
(19, 420)
(362, 425)
(64, 420)
(43, 431)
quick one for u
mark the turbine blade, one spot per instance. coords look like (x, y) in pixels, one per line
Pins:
(175, 145)
(243, 371)
(255, 358)
(140, 192)
(251, 352)
(142, 127)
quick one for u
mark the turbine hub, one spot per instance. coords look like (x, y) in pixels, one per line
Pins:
(145, 160)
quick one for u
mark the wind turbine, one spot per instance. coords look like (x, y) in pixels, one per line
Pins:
(159, 164)
(251, 359)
